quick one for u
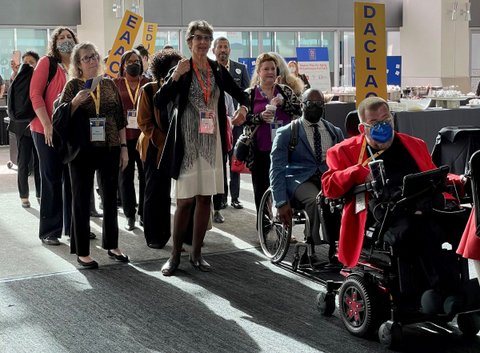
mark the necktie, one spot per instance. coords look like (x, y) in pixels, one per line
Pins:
(317, 143)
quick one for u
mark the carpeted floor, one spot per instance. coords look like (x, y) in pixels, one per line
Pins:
(244, 305)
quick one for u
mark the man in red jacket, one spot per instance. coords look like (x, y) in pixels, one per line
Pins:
(348, 167)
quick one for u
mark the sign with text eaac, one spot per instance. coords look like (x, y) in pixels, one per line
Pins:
(124, 41)
(149, 36)
(313, 62)
(370, 51)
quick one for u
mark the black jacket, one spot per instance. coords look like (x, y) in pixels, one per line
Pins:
(177, 92)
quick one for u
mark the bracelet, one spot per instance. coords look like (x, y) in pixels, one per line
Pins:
(123, 145)
(246, 108)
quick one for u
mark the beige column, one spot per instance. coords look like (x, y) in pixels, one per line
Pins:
(100, 25)
(435, 44)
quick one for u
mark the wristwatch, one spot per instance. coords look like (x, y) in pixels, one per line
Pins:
(123, 145)
(281, 204)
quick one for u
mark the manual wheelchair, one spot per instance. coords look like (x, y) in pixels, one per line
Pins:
(275, 238)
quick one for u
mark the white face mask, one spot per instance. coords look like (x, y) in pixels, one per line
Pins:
(292, 70)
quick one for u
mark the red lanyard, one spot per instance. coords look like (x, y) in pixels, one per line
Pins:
(206, 91)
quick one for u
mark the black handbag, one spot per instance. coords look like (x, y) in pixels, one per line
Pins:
(243, 150)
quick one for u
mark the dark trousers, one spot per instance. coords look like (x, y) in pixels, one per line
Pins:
(126, 182)
(56, 194)
(260, 175)
(26, 151)
(218, 198)
(82, 171)
(234, 177)
(156, 209)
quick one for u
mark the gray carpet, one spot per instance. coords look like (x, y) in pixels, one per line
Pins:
(244, 305)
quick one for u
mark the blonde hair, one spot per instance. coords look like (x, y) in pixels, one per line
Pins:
(264, 57)
(292, 81)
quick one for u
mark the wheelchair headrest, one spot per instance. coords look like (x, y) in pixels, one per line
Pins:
(351, 123)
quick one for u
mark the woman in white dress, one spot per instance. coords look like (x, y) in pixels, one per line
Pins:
(196, 139)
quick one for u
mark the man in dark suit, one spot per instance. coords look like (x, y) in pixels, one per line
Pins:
(221, 49)
(295, 175)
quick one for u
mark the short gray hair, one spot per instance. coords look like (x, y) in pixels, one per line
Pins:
(75, 70)
(370, 103)
(198, 25)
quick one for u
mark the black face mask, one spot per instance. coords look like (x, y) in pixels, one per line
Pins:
(133, 69)
(313, 113)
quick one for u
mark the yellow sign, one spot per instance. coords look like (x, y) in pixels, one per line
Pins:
(149, 36)
(370, 51)
(124, 41)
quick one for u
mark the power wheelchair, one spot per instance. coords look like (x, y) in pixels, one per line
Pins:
(389, 288)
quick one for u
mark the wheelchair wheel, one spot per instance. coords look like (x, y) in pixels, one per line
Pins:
(390, 334)
(356, 306)
(274, 238)
(469, 324)
(326, 303)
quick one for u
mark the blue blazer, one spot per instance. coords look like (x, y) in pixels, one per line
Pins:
(286, 176)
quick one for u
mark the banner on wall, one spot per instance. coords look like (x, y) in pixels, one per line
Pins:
(127, 32)
(370, 50)
(249, 63)
(394, 70)
(313, 62)
(149, 36)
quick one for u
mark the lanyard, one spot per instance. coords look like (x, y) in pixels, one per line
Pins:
(132, 98)
(362, 153)
(206, 91)
(96, 99)
(264, 95)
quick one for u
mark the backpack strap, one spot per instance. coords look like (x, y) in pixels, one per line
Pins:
(52, 69)
(293, 138)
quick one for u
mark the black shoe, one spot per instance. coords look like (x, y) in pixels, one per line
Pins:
(236, 204)
(223, 205)
(96, 214)
(51, 241)
(130, 224)
(217, 217)
(155, 245)
(92, 235)
(169, 267)
(121, 257)
(88, 265)
(200, 264)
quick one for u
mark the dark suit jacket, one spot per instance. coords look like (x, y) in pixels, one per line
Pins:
(177, 91)
(240, 74)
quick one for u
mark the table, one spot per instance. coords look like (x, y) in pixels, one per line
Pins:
(426, 124)
(422, 124)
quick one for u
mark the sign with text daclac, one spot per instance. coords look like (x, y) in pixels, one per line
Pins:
(370, 51)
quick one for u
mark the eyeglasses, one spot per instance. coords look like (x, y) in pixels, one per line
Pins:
(133, 62)
(319, 104)
(199, 37)
(389, 120)
(90, 58)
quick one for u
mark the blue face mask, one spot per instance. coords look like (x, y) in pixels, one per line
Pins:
(381, 132)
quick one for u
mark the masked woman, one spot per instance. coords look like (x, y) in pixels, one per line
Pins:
(129, 82)
(56, 198)
(91, 125)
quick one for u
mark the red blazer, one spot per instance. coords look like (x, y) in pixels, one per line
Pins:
(469, 246)
(345, 172)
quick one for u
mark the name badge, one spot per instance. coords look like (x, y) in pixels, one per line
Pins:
(207, 122)
(274, 127)
(132, 119)
(97, 129)
(360, 203)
